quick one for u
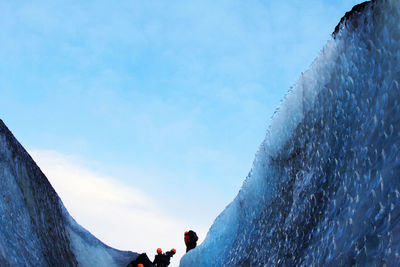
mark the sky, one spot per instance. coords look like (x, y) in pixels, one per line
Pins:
(146, 115)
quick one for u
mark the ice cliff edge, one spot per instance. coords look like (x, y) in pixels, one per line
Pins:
(35, 227)
(324, 189)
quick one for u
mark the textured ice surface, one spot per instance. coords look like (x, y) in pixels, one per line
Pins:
(324, 189)
(35, 228)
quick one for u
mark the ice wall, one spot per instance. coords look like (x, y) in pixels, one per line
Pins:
(35, 228)
(324, 189)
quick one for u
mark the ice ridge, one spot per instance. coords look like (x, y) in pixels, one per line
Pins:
(324, 187)
(35, 227)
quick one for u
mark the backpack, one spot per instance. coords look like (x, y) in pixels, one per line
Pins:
(193, 236)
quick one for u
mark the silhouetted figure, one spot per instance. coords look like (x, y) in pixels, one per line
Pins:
(163, 260)
(158, 257)
(190, 240)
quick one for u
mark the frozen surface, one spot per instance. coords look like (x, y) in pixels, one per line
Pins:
(324, 189)
(35, 228)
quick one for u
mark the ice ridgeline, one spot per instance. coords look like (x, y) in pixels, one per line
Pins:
(324, 189)
(35, 228)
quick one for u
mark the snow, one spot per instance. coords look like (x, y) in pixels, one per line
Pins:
(324, 187)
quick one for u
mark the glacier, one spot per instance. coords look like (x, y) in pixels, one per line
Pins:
(324, 188)
(35, 227)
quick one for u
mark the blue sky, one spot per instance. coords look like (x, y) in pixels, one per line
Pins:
(171, 98)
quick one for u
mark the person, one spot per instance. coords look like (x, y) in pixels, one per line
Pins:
(190, 238)
(159, 257)
(141, 259)
(163, 260)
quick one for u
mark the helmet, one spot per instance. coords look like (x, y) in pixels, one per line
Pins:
(173, 250)
(159, 250)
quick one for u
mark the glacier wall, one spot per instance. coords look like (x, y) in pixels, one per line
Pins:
(324, 188)
(35, 228)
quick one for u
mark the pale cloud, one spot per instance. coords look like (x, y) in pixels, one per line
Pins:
(119, 215)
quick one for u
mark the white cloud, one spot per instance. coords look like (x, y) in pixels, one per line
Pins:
(119, 215)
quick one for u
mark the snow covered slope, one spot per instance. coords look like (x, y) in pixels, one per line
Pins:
(35, 228)
(324, 189)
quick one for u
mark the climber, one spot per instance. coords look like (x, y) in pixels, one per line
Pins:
(190, 238)
(158, 257)
(143, 260)
(163, 260)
